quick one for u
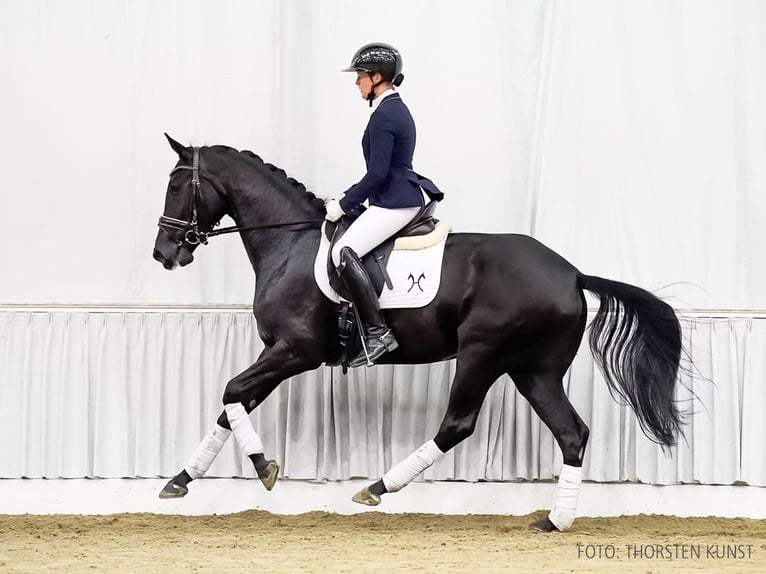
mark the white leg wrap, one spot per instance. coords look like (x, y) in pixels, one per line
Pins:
(243, 430)
(565, 502)
(404, 472)
(205, 453)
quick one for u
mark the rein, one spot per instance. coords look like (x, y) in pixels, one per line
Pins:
(310, 223)
(194, 236)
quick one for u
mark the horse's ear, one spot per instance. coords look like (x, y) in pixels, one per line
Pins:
(180, 149)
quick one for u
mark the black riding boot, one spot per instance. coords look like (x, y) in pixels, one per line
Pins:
(378, 338)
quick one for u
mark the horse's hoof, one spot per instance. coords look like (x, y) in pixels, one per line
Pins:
(544, 525)
(173, 490)
(270, 477)
(366, 497)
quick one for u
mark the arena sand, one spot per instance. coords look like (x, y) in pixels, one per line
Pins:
(258, 542)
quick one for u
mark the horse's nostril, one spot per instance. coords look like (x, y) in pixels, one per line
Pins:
(166, 263)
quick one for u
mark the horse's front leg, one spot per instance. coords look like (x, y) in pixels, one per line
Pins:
(243, 393)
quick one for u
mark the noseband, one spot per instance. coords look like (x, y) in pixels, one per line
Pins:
(192, 234)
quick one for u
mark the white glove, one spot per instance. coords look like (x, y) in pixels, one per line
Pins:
(334, 210)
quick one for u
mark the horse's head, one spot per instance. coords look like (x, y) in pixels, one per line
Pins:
(193, 206)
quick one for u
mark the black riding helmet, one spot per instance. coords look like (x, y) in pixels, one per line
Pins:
(381, 58)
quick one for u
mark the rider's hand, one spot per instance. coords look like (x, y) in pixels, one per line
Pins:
(334, 210)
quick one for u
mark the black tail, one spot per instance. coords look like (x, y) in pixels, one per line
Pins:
(636, 340)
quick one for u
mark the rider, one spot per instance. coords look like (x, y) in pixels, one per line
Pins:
(393, 190)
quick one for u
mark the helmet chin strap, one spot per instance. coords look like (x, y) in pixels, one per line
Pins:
(371, 95)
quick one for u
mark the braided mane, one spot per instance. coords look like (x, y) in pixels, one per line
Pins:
(278, 175)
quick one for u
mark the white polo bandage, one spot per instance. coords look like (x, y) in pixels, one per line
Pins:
(243, 430)
(565, 501)
(404, 472)
(205, 453)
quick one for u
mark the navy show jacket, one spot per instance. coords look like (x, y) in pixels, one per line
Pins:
(388, 145)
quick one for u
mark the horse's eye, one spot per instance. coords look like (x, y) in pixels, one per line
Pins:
(174, 188)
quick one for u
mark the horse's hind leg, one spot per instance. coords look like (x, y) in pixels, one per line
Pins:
(473, 378)
(545, 392)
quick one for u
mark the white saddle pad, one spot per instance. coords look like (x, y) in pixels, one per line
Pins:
(415, 274)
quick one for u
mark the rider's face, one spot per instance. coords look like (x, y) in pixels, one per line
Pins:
(364, 82)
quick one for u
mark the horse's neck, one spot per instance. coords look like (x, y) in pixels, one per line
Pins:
(281, 253)
(270, 249)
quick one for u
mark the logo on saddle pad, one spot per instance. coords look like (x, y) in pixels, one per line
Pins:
(411, 261)
(412, 278)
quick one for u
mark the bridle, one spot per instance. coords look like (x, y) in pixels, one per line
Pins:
(192, 233)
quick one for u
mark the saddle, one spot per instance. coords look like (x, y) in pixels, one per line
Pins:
(375, 264)
(376, 260)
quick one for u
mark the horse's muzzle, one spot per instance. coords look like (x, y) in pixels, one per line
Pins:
(171, 255)
(166, 262)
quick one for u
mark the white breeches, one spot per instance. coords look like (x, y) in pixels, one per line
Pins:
(372, 228)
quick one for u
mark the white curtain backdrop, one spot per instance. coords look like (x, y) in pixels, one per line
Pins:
(124, 394)
(627, 135)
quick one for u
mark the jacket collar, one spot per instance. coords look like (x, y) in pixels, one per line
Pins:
(389, 93)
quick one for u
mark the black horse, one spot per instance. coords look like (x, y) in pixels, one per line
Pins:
(506, 304)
